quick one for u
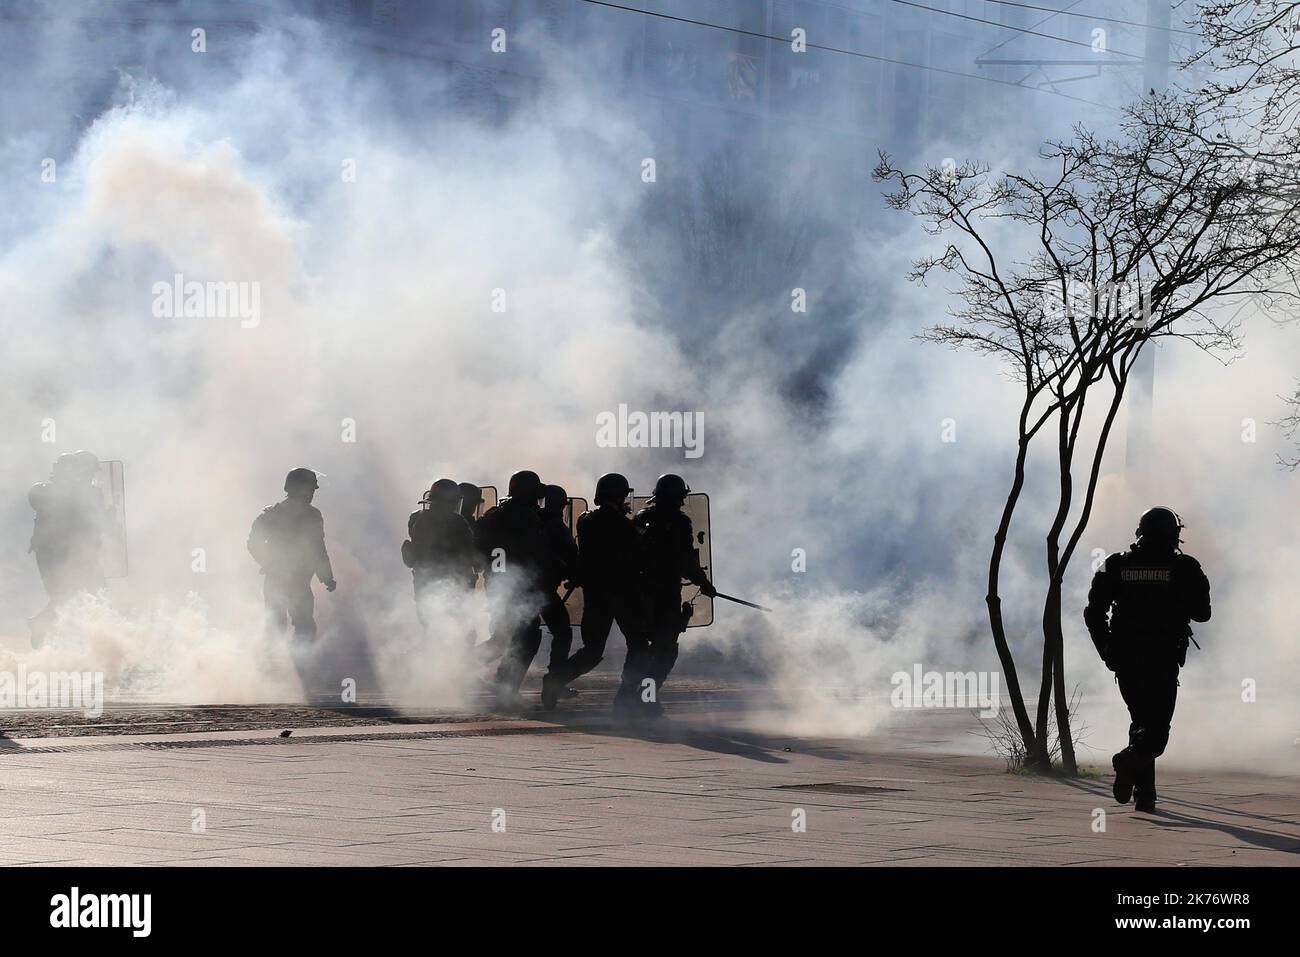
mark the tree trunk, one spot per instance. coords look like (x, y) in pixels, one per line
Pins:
(1068, 762)
(1042, 752)
(1054, 640)
(994, 601)
(1120, 381)
(1071, 414)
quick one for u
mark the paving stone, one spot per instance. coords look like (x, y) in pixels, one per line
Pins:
(590, 794)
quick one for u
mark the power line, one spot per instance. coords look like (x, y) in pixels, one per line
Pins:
(1004, 26)
(853, 53)
(1002, 43)
(1090, 16)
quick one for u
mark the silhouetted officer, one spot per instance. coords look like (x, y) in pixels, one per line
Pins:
(66, 535)
(609, 568)
(509, 537)
(668, 545)
(288, 543)
(440, 550)
(562, 565)
(1151, 593)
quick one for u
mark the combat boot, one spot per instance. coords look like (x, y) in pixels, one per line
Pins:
(1144, 797)
(1123, 786)
(552, 686)
(627, 706)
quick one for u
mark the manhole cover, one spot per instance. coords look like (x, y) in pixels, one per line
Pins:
(839, 788)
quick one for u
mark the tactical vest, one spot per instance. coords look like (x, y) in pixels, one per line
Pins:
(1154, 596)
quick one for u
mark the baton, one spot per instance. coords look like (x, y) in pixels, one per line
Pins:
(741, 601)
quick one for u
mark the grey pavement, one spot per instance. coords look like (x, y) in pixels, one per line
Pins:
(522, 790)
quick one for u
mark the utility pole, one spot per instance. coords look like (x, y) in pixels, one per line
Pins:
(1142, 383)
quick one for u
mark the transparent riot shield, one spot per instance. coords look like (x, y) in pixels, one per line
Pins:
(696, 508)
(489, 494)
(110, 482)
(572, 512)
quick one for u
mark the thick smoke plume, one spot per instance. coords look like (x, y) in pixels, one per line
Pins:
(381, 223)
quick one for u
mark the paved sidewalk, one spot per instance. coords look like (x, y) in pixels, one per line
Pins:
(592, 793)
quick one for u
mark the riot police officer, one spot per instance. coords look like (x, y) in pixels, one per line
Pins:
(668, 546)
(440, 549)
(561, 566)
(1139, 611)
(288, 543)
(509, 538)
(66, 535)
(471, 497)
(609, 568)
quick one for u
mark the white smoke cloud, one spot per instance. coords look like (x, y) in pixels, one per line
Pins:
(376, 308)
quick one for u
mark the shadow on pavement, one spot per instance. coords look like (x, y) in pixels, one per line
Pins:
(714, 737)
(1167, 816)
(1270, 840)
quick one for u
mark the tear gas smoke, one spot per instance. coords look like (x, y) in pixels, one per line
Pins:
(377, 323)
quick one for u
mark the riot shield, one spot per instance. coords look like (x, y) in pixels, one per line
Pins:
(696, 508)
(110, 482)
(572, 512)
(489, 494)
(489, 500)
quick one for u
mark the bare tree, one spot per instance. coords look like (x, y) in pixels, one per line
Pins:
(1290, 425)
(1156, 231)
(1252, 53)
(1250, 59)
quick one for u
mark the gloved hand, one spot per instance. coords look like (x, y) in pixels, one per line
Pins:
(331, 585)
(708, 589)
